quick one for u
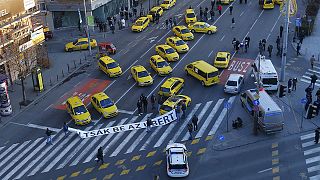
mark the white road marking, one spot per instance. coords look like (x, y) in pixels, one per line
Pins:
(43, 127)
(316, 177)
(222, 37)
(125, 93)
(8, 150)
(275, 23)
(314, 168)
(242, 13)
(210, 53)
(13, 153)
(164, 36)
(255, 21)
(306, 144)
(265, 170)
(147, 51)
(209, 118)
(311, 151)
(125, 111)
(313, 159)
(307, 136)
(48, 107)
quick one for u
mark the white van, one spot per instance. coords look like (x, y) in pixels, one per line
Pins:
(268, 74)
(270, 116)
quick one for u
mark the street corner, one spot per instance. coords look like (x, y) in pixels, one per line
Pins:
(84, 89)
(236, 66)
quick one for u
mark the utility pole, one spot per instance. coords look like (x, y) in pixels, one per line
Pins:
(285, 41)
(87, 26)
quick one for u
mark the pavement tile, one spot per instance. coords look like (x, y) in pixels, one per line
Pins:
(124, 172)
(61, 177)
(104, 166)
(109, 176)
(275, 153)
(157, 163)
(135, 158)
(208, 138)
(88, 170)
(195, 141)
(201, 151)
(275, 161)
(152, 153)
(75, 174)
(119, 162)
(140, 168)
(275, 170)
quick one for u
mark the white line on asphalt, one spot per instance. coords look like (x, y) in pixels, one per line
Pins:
(194, 110)
(275, 23)
(102, 143)
(242, 13)
(125, 92)
(200, 116)
(314, 168)
(200, 3)
(17, 158)
(255, 22)
(125, 111)
(73, 86)
(306, 144)
(164, 36)
(307, 136)
(42, 127)
(13, 153)
(311, 151)
(48, 107)
(127, 139)
(136, 142)
(220, 118)
(2, 148)
(209, 118)
(8, 150)
(150, 138)
(147, 51)
(210, 53)
(316, 177)
(129, 67)
(138, 36)
(303, 80)
(165, 134)
(265, 170)
(313, 159)
(222, 37)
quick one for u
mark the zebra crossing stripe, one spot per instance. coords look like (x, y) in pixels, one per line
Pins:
(310, 143)
(150, 138)
(316, 67)
(307, 136)
(16, 159)
(118, 136)
(220, 118)
(308, 77)
(306, 81)
(194, 110)
(104, 141)
(314, 168)
(313, 71)
(14, 153)
(316, 177)
(2, 148)
(136, 142)
(209, 118)
(309, 73)
(75, 151)
(8, 150)
(311, 151)
(313, 159)
(203, 111)
(127, 139)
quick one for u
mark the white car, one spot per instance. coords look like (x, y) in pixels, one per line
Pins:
(177, 163)
(233, 84)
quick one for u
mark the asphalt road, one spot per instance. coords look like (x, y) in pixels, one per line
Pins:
(137, 154)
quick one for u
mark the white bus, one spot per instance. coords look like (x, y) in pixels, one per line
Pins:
(268, 74)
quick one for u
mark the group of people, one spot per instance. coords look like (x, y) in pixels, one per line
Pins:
(142, 103)
(243, 46)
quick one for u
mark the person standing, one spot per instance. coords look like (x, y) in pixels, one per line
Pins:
(170, 22)
(237, 45)
(289, 85)
(312, 60)
(281, 31)
(240, 1)
(201, 13)
(270, 47)
(178, 112)
(212, 4)
(264, 42)
(190, 129)
(167, 24)
(123, 23)
(260, 47)
(212, 14)
(183, 108)
(233, 23)
(195, 122)
(157, 18)
(278, 42)
(205, 14)
(234, 43)
(145, 104)
(294, 84)
(112, 28)
(316, 135)
(220, 9)
(314, 79)
(230, 9)
(65, 128)
(159, 102)
(298, 49)
(246, 46)
(149, 123)
(49, 138)
(153, 101)
(100, 155)
(245, 1)
(139, 106)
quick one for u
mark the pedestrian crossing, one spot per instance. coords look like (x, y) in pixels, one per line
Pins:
(306, 78)
(311, 153)
(35, 156)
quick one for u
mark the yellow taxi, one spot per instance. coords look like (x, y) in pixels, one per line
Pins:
(80, 44)
(159, 65)
(171, 86)
(226, 1)
(178, 44)
(155, 10)
(202, 27)
(222, 60)
(168, 4)
(190, 16)
(167, 52)
(109, 66)
(279, 2)
(104, 105)
(183, 33)
(140, 24)
(204, 72)
(172, 102)
(78, 111)
(141, 75)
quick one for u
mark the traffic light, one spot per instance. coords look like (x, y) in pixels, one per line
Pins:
(312, 111)
(282, 90)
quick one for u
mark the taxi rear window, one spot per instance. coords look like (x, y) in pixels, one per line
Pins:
(163, 89)
(213, 74)
(190, 15)
(220, 59)
(106, 103)
(166, 108)
(80, 110)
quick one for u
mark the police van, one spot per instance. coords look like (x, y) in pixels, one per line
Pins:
(270, 116)
(268, 74)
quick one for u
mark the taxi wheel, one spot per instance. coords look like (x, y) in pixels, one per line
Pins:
(193, 31)
(209, 32)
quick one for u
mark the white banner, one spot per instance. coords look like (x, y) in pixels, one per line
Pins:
(158, 121)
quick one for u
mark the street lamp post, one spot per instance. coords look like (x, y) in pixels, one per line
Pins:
(285, 42)
(87, 26)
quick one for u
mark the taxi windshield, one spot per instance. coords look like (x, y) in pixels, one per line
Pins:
(112, 65)
(143, 74)
(138, 23)
(185, 31)
(180, 42)
(213, 74)
(106, 103)
(232, 83)
(166, 108)
(206, 25)
(165, 2)
(190, 15)
(80, 110)
(169, 51)
(163, 89)
(162, 64)
(152, 12)
(220, 59)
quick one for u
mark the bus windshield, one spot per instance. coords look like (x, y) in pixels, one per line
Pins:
(271, 81)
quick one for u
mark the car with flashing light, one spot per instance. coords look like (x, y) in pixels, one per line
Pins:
(155, 10)
(204, 72)
(202, 27)
(159, 65)
(109, 66)
(141, 24)
(167, 4)
(78, 111)
(104, 105)
(167, 52)
(234, 83)
(222, 60)
(178, 44)
(171, 86)
(177, 162)
(141, 75)
(183, 32)
(173, 101)
(190, 16)
(80, 44)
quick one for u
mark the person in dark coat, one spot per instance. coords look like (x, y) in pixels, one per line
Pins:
(100, 155)
(270, 47)
(153, 101)
(212, 14)
(195, 122)
(314, 79)
(278, 41)
(316, 135)
(201, 13)
(298, 49)
(139, 106)
(190, 129)
(294, 84)
(145, 104)
(289, 85)
(264, 42)
(49, 138)
(149, 124)
(230, 9)
(281, 31)
(65, 128)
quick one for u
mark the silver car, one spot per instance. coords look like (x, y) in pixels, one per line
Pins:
(233, 84)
